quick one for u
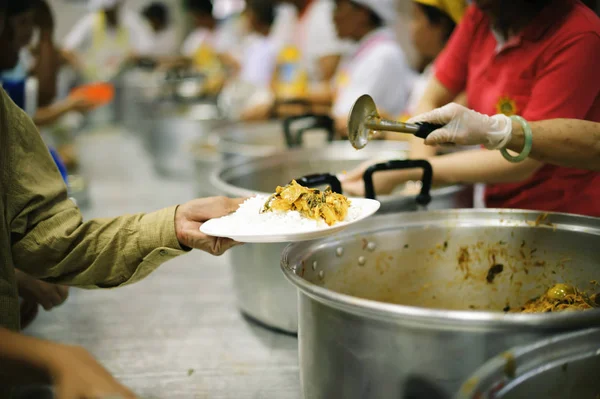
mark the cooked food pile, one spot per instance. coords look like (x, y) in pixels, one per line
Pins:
(559, 298)
(311, 203)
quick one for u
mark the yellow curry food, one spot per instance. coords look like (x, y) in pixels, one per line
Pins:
(311, 203)
(561, 297)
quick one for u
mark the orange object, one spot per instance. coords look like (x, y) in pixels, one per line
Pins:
(97, 93)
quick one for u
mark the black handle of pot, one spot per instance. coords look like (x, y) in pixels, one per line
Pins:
(426, 128)
(146, 63)
(321, 179)
(424, 197)
(320, 122)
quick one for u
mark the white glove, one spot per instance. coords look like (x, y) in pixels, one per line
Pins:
(466, 127)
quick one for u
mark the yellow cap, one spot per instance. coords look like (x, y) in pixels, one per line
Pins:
(454, 8)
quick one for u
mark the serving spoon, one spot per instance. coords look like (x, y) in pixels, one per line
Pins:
(364, 121)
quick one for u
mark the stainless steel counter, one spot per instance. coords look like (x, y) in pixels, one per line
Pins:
(178, 333)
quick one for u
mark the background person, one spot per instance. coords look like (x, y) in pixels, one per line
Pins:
(516, 57)
(164, 36)
(377, 66)
(105, 39)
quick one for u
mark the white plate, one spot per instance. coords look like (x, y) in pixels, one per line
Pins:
(261, 228)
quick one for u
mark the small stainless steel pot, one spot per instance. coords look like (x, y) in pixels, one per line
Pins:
(176, 137)
(562, 367)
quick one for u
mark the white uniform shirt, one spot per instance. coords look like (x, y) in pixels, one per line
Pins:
(258, 60)
(194, 40)
(225, 39)
(164, 42)
(80, 38)
(379, 68)
(313, 33)
(285, 19)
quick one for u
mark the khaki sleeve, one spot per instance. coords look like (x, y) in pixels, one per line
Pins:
(49, 239)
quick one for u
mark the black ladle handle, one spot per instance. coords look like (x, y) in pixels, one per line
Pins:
(426, 128)
(424, 197)
(321, 179)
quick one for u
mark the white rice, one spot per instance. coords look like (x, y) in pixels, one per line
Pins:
(248, 220)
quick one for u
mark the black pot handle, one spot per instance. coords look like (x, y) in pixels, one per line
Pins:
(321, 179)
(320, 122)
(424, 197)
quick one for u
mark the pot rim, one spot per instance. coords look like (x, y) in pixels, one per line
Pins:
(279, 157)
(442, 319)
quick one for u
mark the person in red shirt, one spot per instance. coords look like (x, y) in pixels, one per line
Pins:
(539, 59)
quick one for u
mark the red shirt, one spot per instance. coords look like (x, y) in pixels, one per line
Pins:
(550, 70)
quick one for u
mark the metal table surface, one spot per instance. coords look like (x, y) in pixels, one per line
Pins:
(177, 334)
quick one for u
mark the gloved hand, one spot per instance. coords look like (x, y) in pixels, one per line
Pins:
(466, 127)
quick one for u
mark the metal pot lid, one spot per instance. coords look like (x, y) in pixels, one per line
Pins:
(300, 263)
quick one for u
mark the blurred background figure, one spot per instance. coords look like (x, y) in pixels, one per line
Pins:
(251, 85)
(260, 53)
(314, 37)
(164, 37)
(432, 23)
(377, 66)
(310, 54)
(101, 43)
(213, 46)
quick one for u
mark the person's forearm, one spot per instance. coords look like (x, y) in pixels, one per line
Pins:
(321, 95)
(328, 66)
(23, 360)
(46, 69)
(73, 60)
(466, 167)
(50, 114)
(100, 253)
(565, 142)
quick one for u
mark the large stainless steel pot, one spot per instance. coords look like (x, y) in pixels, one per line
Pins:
(245, 141)
(262, 292)
(176, 138)
(400, 306)
(561, 367)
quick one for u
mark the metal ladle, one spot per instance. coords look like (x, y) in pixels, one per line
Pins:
(364, 120)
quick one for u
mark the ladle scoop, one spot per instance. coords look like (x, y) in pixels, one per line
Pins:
(364, 120)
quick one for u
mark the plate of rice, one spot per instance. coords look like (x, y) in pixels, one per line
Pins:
(294, 213)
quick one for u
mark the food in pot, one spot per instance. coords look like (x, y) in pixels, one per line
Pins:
(561, 297)
(311, 203)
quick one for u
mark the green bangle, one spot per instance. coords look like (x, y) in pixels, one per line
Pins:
(526, 147)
